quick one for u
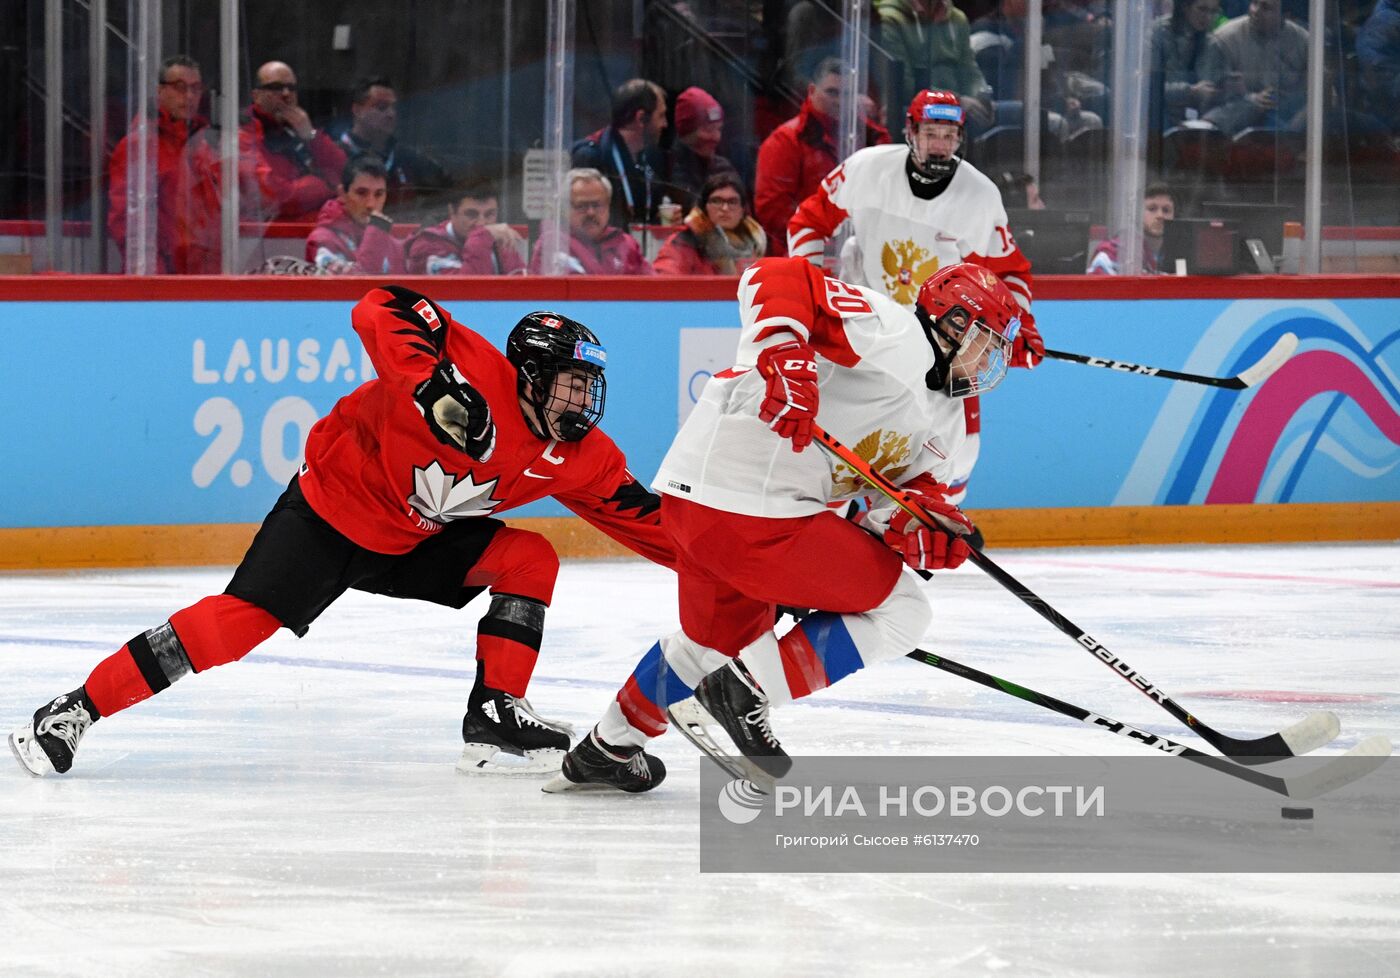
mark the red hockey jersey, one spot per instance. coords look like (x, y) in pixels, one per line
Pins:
(376, 473)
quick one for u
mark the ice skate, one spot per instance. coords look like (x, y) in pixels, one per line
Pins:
(596, 765)
(46, 744)
(730, 699)
(503, 734)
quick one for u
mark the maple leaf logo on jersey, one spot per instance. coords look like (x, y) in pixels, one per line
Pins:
(886, 451)
(906, 266)
(439, 496)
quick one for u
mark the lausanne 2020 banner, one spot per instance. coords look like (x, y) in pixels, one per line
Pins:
(168, 412)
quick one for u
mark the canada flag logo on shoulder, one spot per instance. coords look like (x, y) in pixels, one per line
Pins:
(425, 309)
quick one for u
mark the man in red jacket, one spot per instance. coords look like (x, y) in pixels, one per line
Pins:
(187, 202)
(289, 167)
(353, 236)
(398, 496)
(796, 156)
(593, 246)
(470, 242)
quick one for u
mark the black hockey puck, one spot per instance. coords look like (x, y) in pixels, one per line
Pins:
(1297, 814)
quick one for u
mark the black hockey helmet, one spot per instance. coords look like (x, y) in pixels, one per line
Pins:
(541, 346)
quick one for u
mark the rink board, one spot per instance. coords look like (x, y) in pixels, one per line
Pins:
(140, 407)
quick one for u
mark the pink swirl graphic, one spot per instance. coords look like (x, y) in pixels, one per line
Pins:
(1302, 378)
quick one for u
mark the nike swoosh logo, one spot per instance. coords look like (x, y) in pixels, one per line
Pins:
(940, 236)
(533, 476)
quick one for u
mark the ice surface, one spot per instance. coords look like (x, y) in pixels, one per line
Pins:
(298, 813)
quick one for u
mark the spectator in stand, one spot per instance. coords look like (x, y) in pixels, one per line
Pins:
(352, 235)
(594, 246)
(1158, 207)
(929, 42)
(1258, 63)
(626, 151)
(299, 164)
(796, 156)
(699, 129)
(720, 238)
(811, 32)
(470, 241)
(998, 42)
(1378, 54)
(374, 123)
(1179, 91)
(1018, 190)
(187, 203)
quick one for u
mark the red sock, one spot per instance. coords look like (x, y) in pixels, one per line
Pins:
(507, 665)
(218, 629)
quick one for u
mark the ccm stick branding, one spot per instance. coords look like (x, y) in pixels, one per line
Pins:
(1123, 365)
(1133, 733)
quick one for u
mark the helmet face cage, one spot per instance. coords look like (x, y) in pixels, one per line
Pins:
(933, 106)
(559, 365)
(971, 320)
(980, 356)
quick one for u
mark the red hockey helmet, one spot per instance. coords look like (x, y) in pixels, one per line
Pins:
(933, 105)
(971, 320)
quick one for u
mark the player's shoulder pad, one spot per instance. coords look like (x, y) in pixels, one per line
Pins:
(876, 157)
(976, 180)
(894, 318)
(473, 353)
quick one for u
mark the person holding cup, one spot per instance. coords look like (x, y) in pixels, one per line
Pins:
(720, 236)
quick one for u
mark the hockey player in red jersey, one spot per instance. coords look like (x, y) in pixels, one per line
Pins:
(913, 211)
(397, 496)
(748, 503)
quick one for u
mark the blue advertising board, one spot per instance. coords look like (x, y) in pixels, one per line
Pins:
(177, 412)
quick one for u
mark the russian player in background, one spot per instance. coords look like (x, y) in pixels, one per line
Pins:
(914, 210)
(397, 497)
(751, 506)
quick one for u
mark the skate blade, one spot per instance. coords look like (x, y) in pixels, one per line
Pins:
(559, 785)
(30, 755)
(491, 759)
(695, 723)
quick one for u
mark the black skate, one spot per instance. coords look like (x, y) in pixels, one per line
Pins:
(46, 744)
(595, 764)
(504, 733)
(731, 699)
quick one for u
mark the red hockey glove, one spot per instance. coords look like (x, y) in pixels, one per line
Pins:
(922, 548)
(791, 402)
(456, 413)
(1027, 349)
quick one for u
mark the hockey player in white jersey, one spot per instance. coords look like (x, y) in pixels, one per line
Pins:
(914, 210)
(751, 505)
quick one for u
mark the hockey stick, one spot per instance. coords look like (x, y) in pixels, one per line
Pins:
(1276, 357)
(1356, 763)
(1306, 735)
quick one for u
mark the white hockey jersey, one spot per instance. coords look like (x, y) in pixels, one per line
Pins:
(872, 358)
(899, 239)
